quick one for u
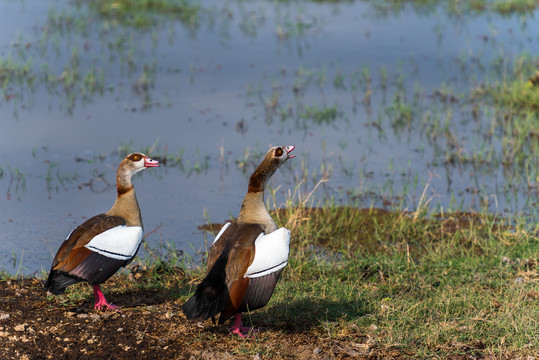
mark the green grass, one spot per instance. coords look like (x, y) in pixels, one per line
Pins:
(424, 286)
(407, 283)
(458, 283)
(461, 283)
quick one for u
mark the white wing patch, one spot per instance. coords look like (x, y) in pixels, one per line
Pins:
(271, 253)
(225, 226)
(120, 242)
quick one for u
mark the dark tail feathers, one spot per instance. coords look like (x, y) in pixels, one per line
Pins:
(211, 294)
(57, 282)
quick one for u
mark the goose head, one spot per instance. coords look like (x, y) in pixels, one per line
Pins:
(132, 164)
(275, 157)
(135, 162)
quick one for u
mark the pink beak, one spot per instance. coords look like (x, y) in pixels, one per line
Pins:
(150, 162)
(289, 150)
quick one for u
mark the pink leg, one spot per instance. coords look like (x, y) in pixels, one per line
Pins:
(241, 330)
(100, 301)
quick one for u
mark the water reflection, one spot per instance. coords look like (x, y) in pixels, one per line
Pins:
(387, 103)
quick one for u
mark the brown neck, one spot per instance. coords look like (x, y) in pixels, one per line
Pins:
(259, 178)
(254, 211)
(123, 180)
(126, 206)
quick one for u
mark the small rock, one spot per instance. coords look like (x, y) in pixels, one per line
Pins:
(66, 339)
(373, 327)
(95, 317)
(82, 316)
(90, 341)
(20, 327)
(506, 260)
(520, 280)
(120, 329)
(316, 351)
(3, 333)
(4, 316)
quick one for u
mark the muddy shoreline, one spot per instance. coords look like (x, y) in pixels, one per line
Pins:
(150, 325)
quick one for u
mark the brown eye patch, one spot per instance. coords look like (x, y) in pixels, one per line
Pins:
(134, 157)
(278, 152)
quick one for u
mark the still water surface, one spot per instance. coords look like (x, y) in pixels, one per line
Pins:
(248, 75)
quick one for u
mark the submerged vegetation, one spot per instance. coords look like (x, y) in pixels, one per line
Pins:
(142, 13)
(458, 8)
(475, 126)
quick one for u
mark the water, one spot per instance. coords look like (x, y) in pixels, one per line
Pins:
(247, 76)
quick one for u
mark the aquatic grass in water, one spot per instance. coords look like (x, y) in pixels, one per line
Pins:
(455, 122)
(65, 63)
(389, 123)
(144, 13)
(515, 122)
(456, 8)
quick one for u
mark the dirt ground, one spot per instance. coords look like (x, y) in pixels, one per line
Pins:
(149, 326)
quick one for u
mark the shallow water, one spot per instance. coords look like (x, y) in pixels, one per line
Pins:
(250, 74)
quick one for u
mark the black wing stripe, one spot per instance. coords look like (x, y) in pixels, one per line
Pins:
(268, 269)
(98, 250)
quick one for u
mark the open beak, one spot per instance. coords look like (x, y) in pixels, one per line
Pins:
(150, 162)
(289, 150)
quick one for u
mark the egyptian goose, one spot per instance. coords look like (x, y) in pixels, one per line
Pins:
(99, 247)
(246, 257)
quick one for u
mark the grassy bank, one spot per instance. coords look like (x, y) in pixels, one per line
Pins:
(360, 283)
(453, 284)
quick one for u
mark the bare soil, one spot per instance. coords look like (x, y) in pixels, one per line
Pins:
(150, 325)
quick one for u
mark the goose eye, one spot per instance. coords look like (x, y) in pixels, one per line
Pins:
(135, 157)
(279, 152)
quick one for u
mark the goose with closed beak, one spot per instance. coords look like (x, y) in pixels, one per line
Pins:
(247, 256)
(100, 246)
